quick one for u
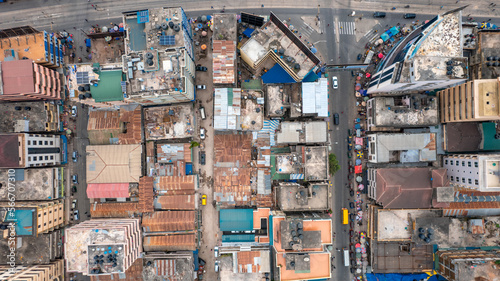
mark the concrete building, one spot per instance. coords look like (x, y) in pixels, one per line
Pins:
(33, 250)
(29, 150)
(224, 49)
(395, 188)
(25, 80)
(159, 56)
(30, 117)
(177, 265)
(236, 109)
(430, 57)
(465, 265)
(42, 47)
(404, 148)
(302, 132)
(34, 217)
(169, 122)
(476, 100)
(102, 246)
(303, 162)
(53, 271)
(274, 45)
(293, 197)
(315, 98)
(284, 100)
(474, 171)
(32, 184)
(245, 228)
(411, 110)
(484, 60)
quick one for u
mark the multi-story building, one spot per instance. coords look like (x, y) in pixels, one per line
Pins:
(477, 100)
(467, 264)
(159, 56)
(32, 184)
(474, 171)
(430, 57)
(25, 42)
(224, 56)
(102, 246)
(29, 150)
(24, 80)
(43, 272)
(32, 117)
(404, 148)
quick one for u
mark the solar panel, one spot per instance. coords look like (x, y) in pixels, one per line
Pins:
(167, 40)
(82, 77)
(143, 16)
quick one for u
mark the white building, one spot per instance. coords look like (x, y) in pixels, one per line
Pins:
(474, 171)
(404, 148)
(29, 150)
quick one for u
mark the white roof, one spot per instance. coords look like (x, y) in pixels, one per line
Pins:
(423, 144)
(227, 105)
(315, 97)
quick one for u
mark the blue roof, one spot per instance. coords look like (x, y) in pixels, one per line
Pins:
(239, 238)
(277, 75)
(310, 77)
(24, 219)
(248, 32)
(236, 219)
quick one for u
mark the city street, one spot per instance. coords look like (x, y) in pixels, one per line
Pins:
(341, 38)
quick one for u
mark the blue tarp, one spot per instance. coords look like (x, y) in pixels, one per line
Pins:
(277, 75)
(248, 32)
(389, 33)
(396, 277)
(195, 257)
(310, 77)
(189, 169)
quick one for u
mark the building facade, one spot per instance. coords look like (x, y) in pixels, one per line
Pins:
(477, 100)
(53, 271)
(474, 171)
(464, 265)
(30, 150)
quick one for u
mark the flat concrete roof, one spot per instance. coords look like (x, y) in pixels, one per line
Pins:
(31, 184)
(405, 111)
(169, 122)
(36, 116)
(294, 197)
(394, 225)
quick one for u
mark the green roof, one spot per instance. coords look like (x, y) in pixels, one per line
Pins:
(109, 87)
(236, 219)
(489, 141)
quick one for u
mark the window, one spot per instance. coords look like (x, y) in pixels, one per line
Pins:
(469, 181)
(457, 163)
(457, 179)
(29, 158)
(51, 157)
(45, 224)
(39, 226)
(451, 163)
(476, 164)
(51, 142)
(469, 164)
(451, 178)
(463, 180)
(46, 157)
(463, 163)
(46, 142)
(39, 215)
(446, 162)
(34, 158)
(476, 182)
(29, 142)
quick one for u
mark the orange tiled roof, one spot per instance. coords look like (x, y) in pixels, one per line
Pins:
(175, 202)
(146, 195)
(248, 258)
(103, 120)
(174, 185)
(175, 242)
(113, 210)
(169, 221)
(134, 272)
(320, 268)
(224, 53)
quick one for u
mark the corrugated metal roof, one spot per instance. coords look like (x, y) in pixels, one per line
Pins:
(169, 221)
(224, 65)
(146, 194)
(113, 210)
(315, 97)
(227, 105)
(134, 272)
(166, 268)
(175, 202)
(177, 242)
(172, 185)
(114, 163)
(236, 219)
(108, 190)
(103, 120)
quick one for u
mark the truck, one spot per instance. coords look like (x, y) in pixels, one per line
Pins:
(346, 257)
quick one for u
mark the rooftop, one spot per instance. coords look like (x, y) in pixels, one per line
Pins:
(34, 250)
(113, 210)
(405, 148)
(176, 202)
(275, 38)
(294, 197)
(396, 225)
(176, 185)
(31, 46)
(315, 98)
(32, 120)
(227, 108)
(410, 188)
(306, 266)
(133, 273)
(316, 233)
(462, 136)
(169, 122)
(170, 268)
(9, 149)
(252, 111)
(31, 184)
(302, 132)
(224, 26)
(488, 47)
(315, 162)
(224, 61)
(473, 270)
(173, 242)
(108, 87)
(398, 257)
(114, 163)
(162, 221)
(171, 159)
(245, 266)
(18, 77)
(166, 21)
(404, 111)
(282, 98)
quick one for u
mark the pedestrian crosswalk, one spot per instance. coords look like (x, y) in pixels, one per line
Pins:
(305, 29)
(372, 35)
(344, 28)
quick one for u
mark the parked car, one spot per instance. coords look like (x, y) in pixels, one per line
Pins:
(203, 200)
(202, 157)
(73, 111)
(216, 266)
(76, 215)
(360, 56)
(201, 87)
(73, 189)
(336, 118)
(75, 156)
(74, 178)
(201, 68)
(352, 217)
(351, 205)
(202, 133)
(351, 192)
(73, 204)
(335, 82)
(379, 15)
(409, 16)
(216, 251)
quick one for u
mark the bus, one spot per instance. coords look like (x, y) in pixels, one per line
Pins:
(346, 257)
(345, 216)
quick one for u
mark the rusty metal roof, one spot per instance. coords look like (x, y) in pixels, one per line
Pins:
(224, 64)
(172, 185)
(175, 242)
(134, 272)
(169, 221)
(175, 202)
(113, 210)
(146, 195)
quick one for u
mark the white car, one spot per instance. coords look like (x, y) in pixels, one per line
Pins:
(73, 204)
(73, 111)
(202, 133)
(216, 252)
(201, 87)
(335, 82)
(76, 215)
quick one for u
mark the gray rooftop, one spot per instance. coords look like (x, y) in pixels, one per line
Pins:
(33, 250)
(302, 132)
(224, 27)
(169, 122)
(315, 162)
(32, 184)
(32, 120)
(293, 236)
(282, 98)
(393, 225)
(294, 197)
(419, 147)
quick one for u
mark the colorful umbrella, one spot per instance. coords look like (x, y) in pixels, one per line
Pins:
(358, 169)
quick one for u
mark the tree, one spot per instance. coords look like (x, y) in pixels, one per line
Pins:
(333, 164)
(194, 144)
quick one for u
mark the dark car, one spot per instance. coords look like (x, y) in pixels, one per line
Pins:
(73, 189)
(202, 157)
(360, 56)
(201, 68)
(352, 217)
(351, 192)
(351, 233)
(409, 16)
(336, 118)
(352, 270)
(379, 15)
(349, 146)
(351, 205)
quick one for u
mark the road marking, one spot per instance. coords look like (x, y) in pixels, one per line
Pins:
(336, 31)
(345, 28)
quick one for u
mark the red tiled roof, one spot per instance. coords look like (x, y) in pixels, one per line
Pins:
(175, 242)
(108, 190)
(9, 151)
(113, 210)
(146, 195)
(169, 221)
(175, 202)
(174, 185)
(18, 77)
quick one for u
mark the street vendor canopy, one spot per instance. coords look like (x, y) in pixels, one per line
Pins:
(358, 169)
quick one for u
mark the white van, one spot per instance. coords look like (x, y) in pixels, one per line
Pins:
(202, 112)
(346, 257)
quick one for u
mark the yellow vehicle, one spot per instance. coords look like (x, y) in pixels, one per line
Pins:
(345, 216)
(203, 200)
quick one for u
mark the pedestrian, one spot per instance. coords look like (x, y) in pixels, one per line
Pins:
(86, 20)
(457, 2)
(328, 24)
(441, 7)
(86, 212)
(489, 19)
(212, 7)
